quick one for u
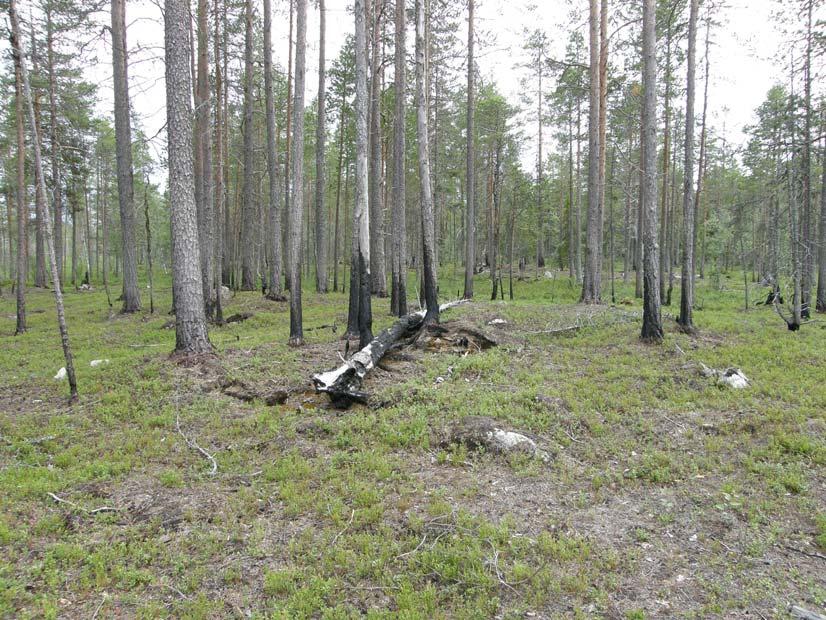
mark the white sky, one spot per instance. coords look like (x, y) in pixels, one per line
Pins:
(743, 68)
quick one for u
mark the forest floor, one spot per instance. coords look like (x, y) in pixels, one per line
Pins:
(665, 495)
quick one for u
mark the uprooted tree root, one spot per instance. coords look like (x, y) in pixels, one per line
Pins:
(454, 336)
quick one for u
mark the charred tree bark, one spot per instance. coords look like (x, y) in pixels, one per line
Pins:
(428, 224)
(360, 282)
(652, 329)
(297, 194)
(343, 384)
(398, 289)
(687, 282)
(377, 262)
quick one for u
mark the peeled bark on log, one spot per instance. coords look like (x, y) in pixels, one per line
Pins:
(343, 384)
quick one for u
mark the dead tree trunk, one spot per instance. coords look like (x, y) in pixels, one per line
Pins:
(687, 282)
(428, 224)
(321, 134)
(297, 197)
(343, 384)
(652, 329)
(360, 317)
(398, 288)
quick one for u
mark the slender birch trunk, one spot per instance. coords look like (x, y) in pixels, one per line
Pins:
(17, 45)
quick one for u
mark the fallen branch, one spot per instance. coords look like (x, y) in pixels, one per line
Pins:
(194, 445)
(346, 527)
(810, 554)
(804, 614)
(343, 385)
(93, 511)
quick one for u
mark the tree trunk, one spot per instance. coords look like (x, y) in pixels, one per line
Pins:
(274, 287)
(123, 140)
(428, 224)
(593, 241)
(41, 279)
(495, 277)
(699, 219)
(360, 281)
(57, 192)
(248, 218)
(22, 210)
(148, 245)
(821, 254)
(687, 282)
(470, 137)
(664, 258)
(398, 289)
(377, 266)
(806, 228)
(297, 197)
(218, 172)
(203, 154)
(190, 319)
(20, 56)
(540, 250)
(652, 329)
(337, 238)
(320, 183)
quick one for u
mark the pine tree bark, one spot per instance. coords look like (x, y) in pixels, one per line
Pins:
(398, 291)
(297, 192)
(17, 45)
(687, 282)
(652, 329)
(470, 137)
(22, 210)
(203, 155)
(274, 287)
(123, 141)
(360, 281)
(41, 279)
(821, 254)
(248, 218)
(425, 184)
(320, 145)
(190, 320)
(218, 172)
(593, 241)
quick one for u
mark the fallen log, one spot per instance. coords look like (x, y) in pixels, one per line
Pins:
(343, 384)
